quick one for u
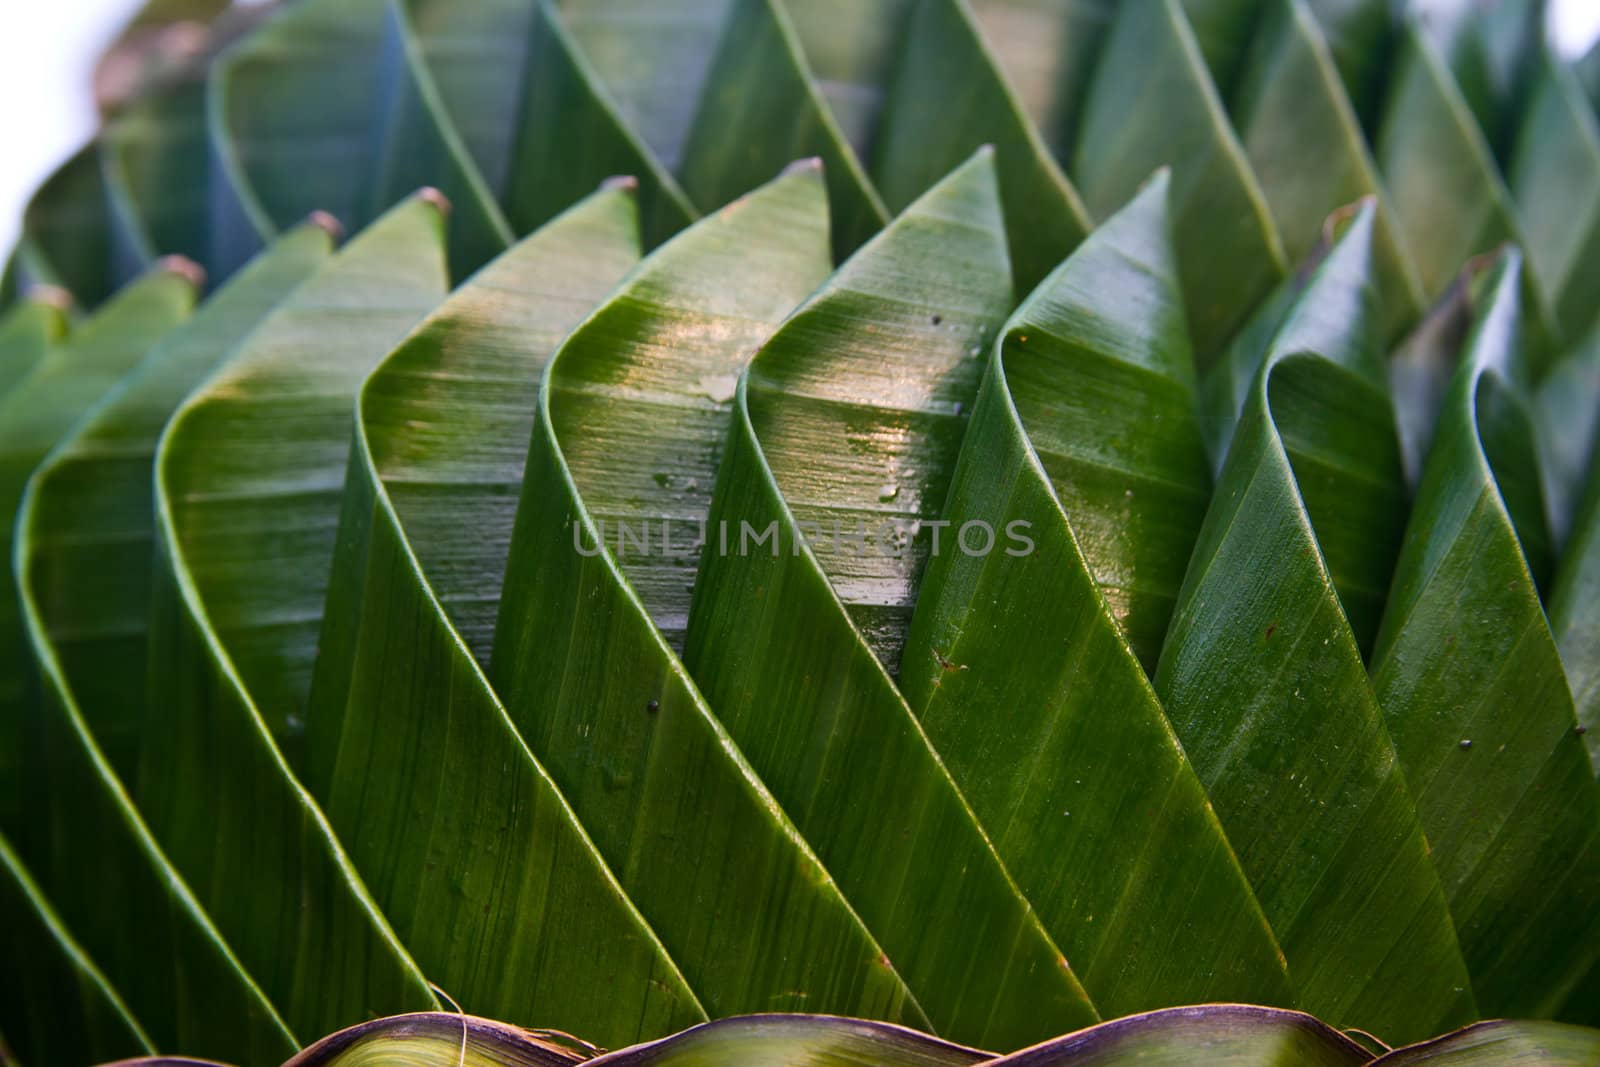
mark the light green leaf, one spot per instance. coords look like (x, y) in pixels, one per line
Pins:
(1016, 702)
(1262, 677)
(630, 424)
(1472, 688)
(948, 99)
(772, 642)
(493, 886)
(248, 476)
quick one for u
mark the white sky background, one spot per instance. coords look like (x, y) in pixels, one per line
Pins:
(47, 51)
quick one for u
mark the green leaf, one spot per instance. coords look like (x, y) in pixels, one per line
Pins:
(1503, 1044)
(1444, 184)
(1223, 30)
(1583, 1006)
(85, 527)
(1471, 684)
(248, 476)
(82, 832)
(795, 1041)
(55, 1005)
(1262, 677)
(851, 47)
(1306, 148)
(794, 678)
(61, 385)
(1554, 176)
(1423, 365)
(1574, 606)
(1219, 1035)
(66, 234)
(1587, 69)
(506, 905)
(1152, 104)
(27, 331)
(763, 108)
(629, 427)
(1014, 703)
(1359, 34)
(545, 145)
(654, 60)
(1048, 49)
(948, 99)
(157, 164)
(330, 106)
(1568, 421)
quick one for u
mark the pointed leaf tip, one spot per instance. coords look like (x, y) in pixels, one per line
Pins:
(802, 166)
(185, 268)
(51, 295)
(429, 195)
(326, 222)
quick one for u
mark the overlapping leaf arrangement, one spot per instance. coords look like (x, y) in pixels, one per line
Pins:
(983, 515)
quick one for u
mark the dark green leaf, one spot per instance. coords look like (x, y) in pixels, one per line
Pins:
(1048, 50)
(947, 99)
(82, 833)
(654, 60)
(1554, 176)
(794, 678)
(1471, 684)
(330, 106)
(493, 885)
(1306, 148)
(544, 146)
(762, 109)
(1152, 104)
(1444, 184)
(1262, 676)
(1015, 702)
(55, 1005)
(248, 476)
(630, 424)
